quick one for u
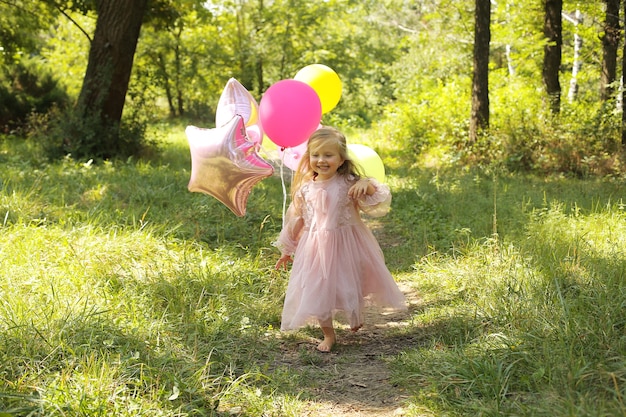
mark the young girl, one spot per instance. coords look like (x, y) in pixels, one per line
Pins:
(338, 265)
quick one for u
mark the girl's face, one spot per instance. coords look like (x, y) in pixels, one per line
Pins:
(325, 160)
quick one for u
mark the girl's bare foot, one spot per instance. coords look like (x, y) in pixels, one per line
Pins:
(329, 338)
(326, 345)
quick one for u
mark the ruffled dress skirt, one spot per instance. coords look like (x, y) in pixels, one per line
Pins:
(338, 271)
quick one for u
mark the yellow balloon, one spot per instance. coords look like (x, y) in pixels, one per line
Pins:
(324, 81)
(368, 160)
(254, 114)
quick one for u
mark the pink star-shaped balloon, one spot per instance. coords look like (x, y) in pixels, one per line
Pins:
(225, 164)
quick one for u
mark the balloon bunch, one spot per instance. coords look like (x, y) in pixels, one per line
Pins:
(291, 110)
(225, 162)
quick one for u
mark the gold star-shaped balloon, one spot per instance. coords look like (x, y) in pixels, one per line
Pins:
(225, 164)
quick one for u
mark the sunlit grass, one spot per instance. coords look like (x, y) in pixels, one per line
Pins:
(121, 293)
(526, 326)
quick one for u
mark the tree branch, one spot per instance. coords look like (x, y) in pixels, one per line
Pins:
(75, 23)
(56, 6)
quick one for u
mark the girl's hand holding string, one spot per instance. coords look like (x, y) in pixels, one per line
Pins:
(361, 188)
(283, 262)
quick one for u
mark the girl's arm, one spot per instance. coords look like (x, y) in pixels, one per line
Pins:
(289, 237)
(375, 197)
(361, 188)
(283, 262)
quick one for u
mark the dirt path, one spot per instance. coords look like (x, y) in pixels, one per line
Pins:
(354, 380)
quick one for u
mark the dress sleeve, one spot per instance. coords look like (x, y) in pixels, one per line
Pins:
(289, 236)
(377, 204)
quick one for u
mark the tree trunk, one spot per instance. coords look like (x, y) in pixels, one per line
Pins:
(480, 82)
(552, 30)
(610, 41)
(111, 59)
(179, 68)
(578, 44)
(259, 60)
(259, 76)
(624, 90)
(166, 84)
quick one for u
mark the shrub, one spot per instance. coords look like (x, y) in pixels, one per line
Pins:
(433, 117)
(68, 132)
(523, 135)
(27, 88)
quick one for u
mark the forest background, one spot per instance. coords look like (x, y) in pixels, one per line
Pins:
(121, 293)
(406, 67)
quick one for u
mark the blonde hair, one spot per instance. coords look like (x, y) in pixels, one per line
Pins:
(324, 136)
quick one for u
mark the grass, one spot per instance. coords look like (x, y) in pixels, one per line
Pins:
(121, 293)
(532, 316)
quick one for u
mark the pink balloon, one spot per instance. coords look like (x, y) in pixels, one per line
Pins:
(225, 164)
(290, 111)
(291, 157)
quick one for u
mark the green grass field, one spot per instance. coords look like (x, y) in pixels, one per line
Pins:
(121, 293)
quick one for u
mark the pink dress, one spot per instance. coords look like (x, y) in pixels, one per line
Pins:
(338, 265)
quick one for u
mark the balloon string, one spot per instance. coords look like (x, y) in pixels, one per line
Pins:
(282, 180)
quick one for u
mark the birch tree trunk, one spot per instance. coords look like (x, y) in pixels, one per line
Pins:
(578, 43)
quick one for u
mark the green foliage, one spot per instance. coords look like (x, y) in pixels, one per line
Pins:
(583, 140)
(66, 50)
(176, 65)
(258, 44)
(25, 88)
(20, 25)
(405, 68)
(69, 133)
(431, 89)
(429, 118)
